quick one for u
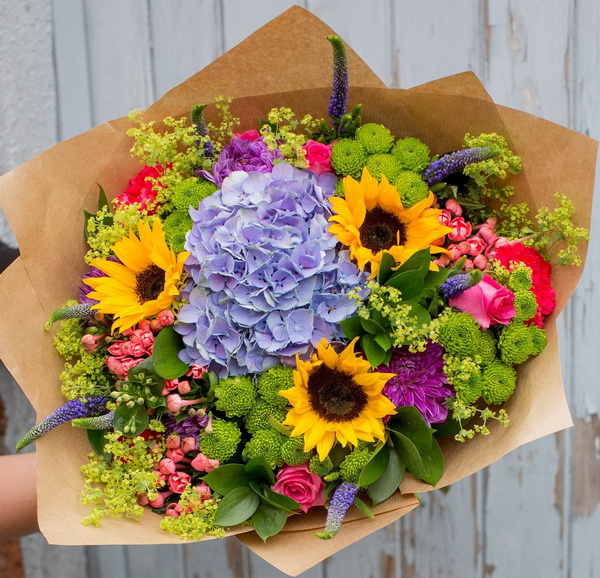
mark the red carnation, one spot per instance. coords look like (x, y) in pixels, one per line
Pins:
(541, 273)
(140, 189)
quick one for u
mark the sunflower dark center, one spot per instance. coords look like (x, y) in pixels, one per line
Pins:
(380, 229)
(149, 283)
(334, 396)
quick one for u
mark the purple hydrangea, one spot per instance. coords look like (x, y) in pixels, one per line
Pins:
(419, 381)
(242, 155)
(268, 279)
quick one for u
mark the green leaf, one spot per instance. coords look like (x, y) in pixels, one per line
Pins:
(237, 506)
(383, 340)
(371, 326)
(375, 467)
(268, 520)
(102, 200)
(228, 477)
(352, 327)
(436, 278)
(448, 428)
(410, 283)
(97, 441)
(142, 371)
(418, 261)
(389, 481)
(414, 441)
(131, 421)
(419, 313)
(374, 352)
(385, 267)
(259, 469)
(167, 346)
(274, 498)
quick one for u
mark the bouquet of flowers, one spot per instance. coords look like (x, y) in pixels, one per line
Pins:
(277, 328)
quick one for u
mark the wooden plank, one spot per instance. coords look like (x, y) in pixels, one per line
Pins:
(226, 558)
(186, 37)
(106, 561)
(371, 38)
(72, 72)
(119, 58)
(155, 560)
(435, 39)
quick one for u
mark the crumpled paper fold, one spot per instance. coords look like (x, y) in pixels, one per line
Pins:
(44, 201)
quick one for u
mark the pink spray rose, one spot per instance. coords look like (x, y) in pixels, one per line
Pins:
(488, 302)
(461, 229)
(300, 484)
(318, 156)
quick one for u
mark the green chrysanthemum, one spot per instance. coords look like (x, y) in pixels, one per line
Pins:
(321, 468)
(525, 305)
(258, 417)
(383, 164)
(412, 154)
(468, 391)
(486, 347)
(539, 339)
(520, 279)
(375, 138)
(176, 226)
(348, 157)
(354, 464)
(460, 335)
(235, 395)
(271, 382)
(411, 188)
(498, 382)
(265, 443)
(515, 343)
(222, 443)
(292, 451)
(191, 192)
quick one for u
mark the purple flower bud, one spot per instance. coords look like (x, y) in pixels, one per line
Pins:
(438, 170)
(342, 499)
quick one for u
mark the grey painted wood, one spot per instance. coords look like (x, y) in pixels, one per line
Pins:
(533, 513)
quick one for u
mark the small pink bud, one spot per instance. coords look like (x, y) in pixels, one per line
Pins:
(480, 262)
(91, 342)
(115, 366)
(143, 500)
(166, 318)
(167, 466)
(455, 252)
(128, 362)
(159, 501)
(175, 403)
(144, 325)
(116, 348)
(156, 326)
(184, 387)
(143, 337)
(173, 441)
(127, 332)
(134, 349)
(176, 454)
(453, 206)
(196, 371)
(468, 266)
(445, 218)
(442, 261)
(179, 481)
(189, 444)
(203, 489)
(476, 245)
(173, 510)
(461, 229)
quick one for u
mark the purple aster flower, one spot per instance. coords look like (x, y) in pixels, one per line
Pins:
(189, 427)
(242, 155)
(438, 170)
(342, 499)
(73, 409)
(419, 381)
(268, 279)
(339, 89)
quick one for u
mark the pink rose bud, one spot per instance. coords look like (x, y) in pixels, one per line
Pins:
(143, 500)
(173, 441)
(173, 510)
(179, 481)
(461, 229)
(445, 218)
(167, 466)
(159, 501)
(189, 444)
(91, 342)
(251, 134)
(318, 156)
(480, 262)
(476, 246)
(183, 387)
(166, 317)
(453, 206)
(175, 454)
(196, 371)
(468, 265)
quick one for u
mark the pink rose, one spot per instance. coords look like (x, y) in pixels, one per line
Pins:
(300, 484)
(318, 156)
(488, 302)
(461, 229)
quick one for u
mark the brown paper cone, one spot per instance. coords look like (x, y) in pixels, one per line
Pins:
(44, 199)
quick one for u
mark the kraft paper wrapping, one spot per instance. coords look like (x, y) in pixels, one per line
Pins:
(44, 199)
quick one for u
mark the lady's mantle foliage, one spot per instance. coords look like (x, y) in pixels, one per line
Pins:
(268, 281)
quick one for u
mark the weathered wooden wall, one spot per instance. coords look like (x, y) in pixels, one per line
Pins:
(68, 65)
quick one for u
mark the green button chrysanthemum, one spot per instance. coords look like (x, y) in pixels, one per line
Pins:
(375, 138)
(348, 157)
(498, 382)
(412, 154)
(411, 188)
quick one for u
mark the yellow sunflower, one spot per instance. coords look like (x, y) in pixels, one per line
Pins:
(371, 220)
(144, 283)
(335, 397)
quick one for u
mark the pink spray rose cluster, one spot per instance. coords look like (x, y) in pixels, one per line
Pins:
(479, 248)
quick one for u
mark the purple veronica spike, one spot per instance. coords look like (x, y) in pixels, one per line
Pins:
(438, 170)
(71, 410)
(342, 499)
(97, 422)
(457, 285)
(339, 89)
(419, 381)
